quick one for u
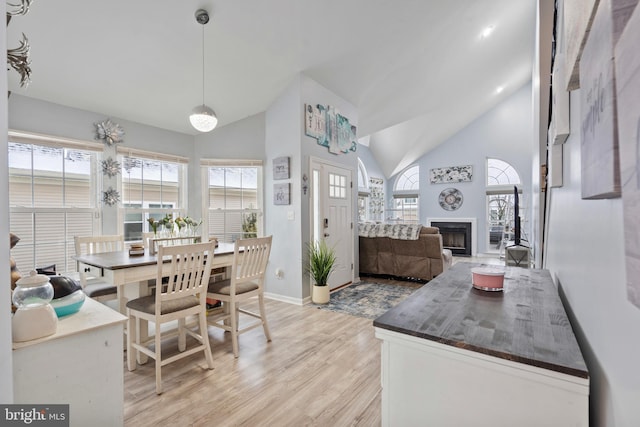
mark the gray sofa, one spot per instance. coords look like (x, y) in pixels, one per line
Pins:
(423, 258)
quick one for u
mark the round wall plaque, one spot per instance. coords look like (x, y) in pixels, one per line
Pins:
(450, 199)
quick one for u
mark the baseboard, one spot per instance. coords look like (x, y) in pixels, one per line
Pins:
(289, 300)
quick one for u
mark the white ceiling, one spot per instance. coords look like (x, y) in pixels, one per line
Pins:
(417, 70)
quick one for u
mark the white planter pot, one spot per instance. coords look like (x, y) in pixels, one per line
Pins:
(320, 294)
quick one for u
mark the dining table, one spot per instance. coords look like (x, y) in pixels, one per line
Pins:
(132, 273)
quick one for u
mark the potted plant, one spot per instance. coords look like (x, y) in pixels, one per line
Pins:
(322, 261)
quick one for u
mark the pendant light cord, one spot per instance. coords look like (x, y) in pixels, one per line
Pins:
(203, 64)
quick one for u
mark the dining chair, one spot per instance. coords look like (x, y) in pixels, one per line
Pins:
(94, 285)
(188, 268)
(249, 263)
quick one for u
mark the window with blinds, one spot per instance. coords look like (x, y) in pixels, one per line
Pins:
(52, 197)
(234, 200)
(153, 186)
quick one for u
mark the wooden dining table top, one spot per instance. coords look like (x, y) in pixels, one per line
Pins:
(121, 259)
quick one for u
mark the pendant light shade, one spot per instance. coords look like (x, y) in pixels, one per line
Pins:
(203, 118)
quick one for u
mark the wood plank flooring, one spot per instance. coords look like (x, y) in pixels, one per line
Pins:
(321, 369)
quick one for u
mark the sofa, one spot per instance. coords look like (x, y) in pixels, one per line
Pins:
(420, 256)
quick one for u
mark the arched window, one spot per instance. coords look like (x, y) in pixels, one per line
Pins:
(409, 180)
(501, 178)
(500, 172)
(405, 196)
(363, 191)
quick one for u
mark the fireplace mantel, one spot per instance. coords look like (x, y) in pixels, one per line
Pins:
(474, 232)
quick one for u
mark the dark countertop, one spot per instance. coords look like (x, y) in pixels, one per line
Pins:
(525, 323)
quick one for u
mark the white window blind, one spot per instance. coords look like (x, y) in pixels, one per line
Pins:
(233, 198)
(52, 197)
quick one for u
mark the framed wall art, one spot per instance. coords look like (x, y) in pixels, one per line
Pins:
(281, 194)
(600, 168)
(627, 66)
(281, 168)
(330, 128)
(451, 174)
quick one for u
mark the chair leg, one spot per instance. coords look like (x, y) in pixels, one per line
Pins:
(131, 338)
(182, 336)
(158, 357)
(263, 316)
(204, 334)
(234, 328)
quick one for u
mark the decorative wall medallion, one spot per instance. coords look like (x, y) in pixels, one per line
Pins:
(330, 128)
(108, 132)
(110, 167)
(450, 199)
(111, 197)
(451, 174)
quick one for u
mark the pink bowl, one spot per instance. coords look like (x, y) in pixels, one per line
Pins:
(488, 279)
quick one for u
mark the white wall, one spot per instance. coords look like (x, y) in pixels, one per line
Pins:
(243, 139)
(283, 122)
(585, 254)
(504, 132)
(285, 137)
(6, 366)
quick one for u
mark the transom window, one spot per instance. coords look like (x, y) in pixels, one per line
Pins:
(52, 197)
(233, 199)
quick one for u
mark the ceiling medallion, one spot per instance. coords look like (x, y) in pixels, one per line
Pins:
(109, 132)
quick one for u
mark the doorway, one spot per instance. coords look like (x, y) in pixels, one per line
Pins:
(332, 215)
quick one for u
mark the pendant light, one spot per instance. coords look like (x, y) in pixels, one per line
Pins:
(203, 118)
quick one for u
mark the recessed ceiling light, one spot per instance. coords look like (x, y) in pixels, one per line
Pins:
(499, 89)
(487, 32)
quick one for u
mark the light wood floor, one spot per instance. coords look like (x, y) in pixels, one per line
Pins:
(321, 369)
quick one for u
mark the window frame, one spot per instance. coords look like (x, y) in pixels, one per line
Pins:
(403, 195)
(145, 210)
(230, 235)
(38, 256)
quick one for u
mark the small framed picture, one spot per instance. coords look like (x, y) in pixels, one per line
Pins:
(281, 194)
(281, 168)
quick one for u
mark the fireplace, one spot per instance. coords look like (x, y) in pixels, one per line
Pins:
(456, 236)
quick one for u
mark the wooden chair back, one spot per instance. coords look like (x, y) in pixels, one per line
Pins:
(250, 260)
(189, 271)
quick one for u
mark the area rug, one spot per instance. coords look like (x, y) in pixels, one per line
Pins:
(367, 299)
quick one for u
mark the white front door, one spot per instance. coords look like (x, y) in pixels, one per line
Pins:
(333, 217)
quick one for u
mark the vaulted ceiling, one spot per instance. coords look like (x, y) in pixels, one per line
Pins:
(417, 70)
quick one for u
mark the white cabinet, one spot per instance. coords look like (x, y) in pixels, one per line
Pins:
(425, 383)
(81, 365)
